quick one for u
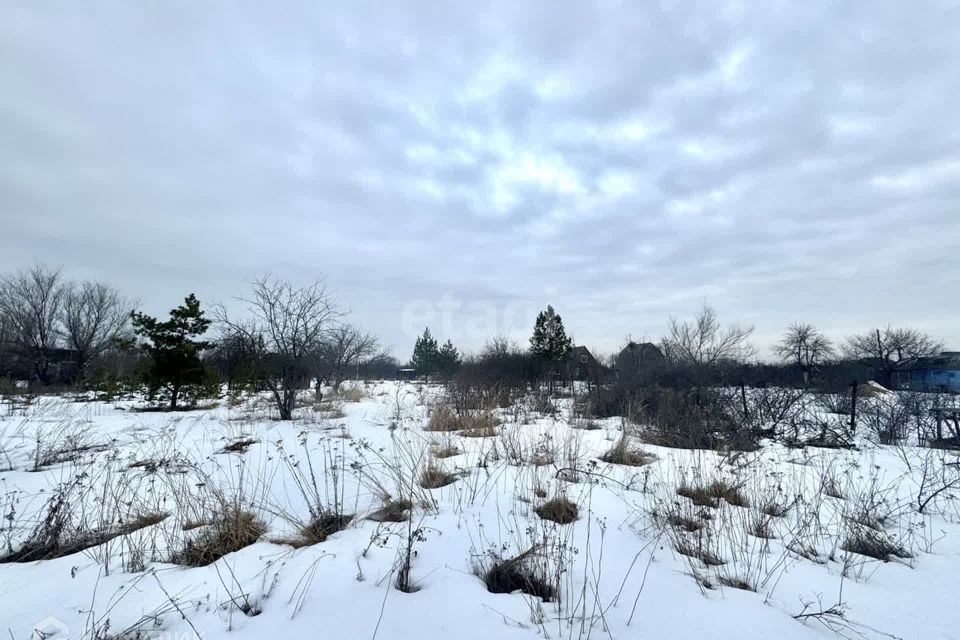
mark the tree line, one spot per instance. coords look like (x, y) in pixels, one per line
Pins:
(288, 338)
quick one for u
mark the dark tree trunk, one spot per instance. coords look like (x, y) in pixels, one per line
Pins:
(174, 395)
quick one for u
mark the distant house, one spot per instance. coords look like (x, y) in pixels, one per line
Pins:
(582, 366)
(938, 373)
(638, 361)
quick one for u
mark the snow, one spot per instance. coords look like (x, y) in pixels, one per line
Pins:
(620, 574)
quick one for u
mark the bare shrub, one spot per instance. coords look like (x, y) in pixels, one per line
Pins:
(696, 418)
(542, 404)
(766, 411)
(939, 479)
(470, 390)
(837, 403)
(887, 419)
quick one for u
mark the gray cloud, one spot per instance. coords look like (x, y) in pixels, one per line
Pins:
(626, 162)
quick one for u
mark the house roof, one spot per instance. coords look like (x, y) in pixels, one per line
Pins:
(946, 360)
(579, 350)
(642, 350)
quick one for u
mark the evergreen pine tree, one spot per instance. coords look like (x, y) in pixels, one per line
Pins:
(426, 355)
(174, 352)
(448, 359)
(549, 343)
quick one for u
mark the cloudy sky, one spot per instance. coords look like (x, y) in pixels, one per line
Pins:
(463, 164)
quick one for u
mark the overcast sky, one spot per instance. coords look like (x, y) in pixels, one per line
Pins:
(464, 164)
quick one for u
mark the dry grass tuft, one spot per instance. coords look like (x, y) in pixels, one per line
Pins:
(711, 494)
(474, 424)
(517, 574)
(685, 523)
(322, 527)
(775, 509)
(691, 550)
(480, 421)
(542, 459)
(761, 528)
(434, 477)
(350, 394)
(807, 551)
(832, 488)
(623, 453)
(444, 450)
(874, 544)
(53, 539)
(240, 446)
(392, 511)
(586, 424)
(735, 583)
(560, 510)
(443, 418)
(190, 525)
(481, 432)
(231, 530)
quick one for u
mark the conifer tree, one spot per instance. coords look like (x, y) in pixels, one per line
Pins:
(549, 343)
(426, 355)
(172, 347)
(448, 359)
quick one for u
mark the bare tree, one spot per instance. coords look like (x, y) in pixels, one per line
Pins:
(888, 351)
(805, 347)
(703, 343)
(500, 346)
(286, 328)
(93, 316)
(6, 344)
(31, 301)
(345, 347)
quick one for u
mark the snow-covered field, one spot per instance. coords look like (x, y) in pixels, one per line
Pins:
(640, 561)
